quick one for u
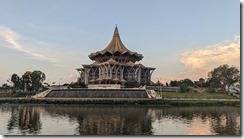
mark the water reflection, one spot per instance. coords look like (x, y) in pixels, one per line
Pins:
(202, 120)
(107, 120)
(26, 118)
(121, 120)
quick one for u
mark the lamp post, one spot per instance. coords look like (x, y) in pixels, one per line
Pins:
(160, 90)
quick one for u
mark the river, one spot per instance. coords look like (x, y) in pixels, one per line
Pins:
(118, 120)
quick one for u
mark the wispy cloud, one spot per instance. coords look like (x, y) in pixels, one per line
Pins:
(52, 53)
(14, 41)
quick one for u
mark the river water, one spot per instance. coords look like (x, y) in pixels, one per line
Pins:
(118, 120)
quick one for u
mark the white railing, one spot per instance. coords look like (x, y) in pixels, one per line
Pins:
(153, 94)
(42, 94)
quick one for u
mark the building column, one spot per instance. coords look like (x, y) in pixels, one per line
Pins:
(105, 71)
(139, 75)
(80, 73)
(99, 72)
(110, 71)
(121, 72)
(151, 75)
(86, 76)
(116, 71)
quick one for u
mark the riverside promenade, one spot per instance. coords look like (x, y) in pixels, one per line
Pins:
(199, 99)
(122, 101)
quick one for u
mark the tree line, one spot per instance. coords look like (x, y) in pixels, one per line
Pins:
(29, 82)
(219, 79)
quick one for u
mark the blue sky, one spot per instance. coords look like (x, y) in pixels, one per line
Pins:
(180, 38)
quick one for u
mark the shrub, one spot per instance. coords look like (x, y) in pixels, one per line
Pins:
(131, 84)
(211, 89)
(184, 88)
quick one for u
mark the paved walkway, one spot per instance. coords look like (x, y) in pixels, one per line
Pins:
(14, 98)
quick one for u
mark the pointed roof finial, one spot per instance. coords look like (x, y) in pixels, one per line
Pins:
(116, 31)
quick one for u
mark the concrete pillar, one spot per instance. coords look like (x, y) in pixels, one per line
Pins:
(116, 71)
(151, 75)
(99, 72)
(110, 71)
(86, 76)
(139, 75)
(121, 73)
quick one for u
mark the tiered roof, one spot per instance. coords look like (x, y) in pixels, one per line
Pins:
(116, 49)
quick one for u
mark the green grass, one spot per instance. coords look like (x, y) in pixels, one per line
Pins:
(6, 94)
(196, 95)
(124, 102)
(12, 94)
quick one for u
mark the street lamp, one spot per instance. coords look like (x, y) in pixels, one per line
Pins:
(159, 86)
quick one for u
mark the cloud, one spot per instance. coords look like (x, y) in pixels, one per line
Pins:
(14, 41)
(226, 52)
(198, 62)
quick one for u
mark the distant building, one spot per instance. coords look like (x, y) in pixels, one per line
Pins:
(115, 65)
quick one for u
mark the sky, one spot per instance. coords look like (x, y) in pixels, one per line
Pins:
(180, 38)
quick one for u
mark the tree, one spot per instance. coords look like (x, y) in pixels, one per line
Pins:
(17, 82)
(26, 81)
(223, 76)
(167, 84)
(37, 78)
(77, 84)
(158, 83)
(184, 88)
(185, 84)
(201, 81)
(187, 81)
(173, 83)
(5, 86)
(29, 82)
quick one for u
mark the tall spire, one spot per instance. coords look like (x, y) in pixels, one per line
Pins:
(116, 31)
(116, 44)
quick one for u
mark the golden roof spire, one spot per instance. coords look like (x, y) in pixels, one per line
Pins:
(116, 31)
(116, 44)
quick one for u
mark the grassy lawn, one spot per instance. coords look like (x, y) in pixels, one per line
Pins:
(6, 94)
(12, 94)
(196, 95)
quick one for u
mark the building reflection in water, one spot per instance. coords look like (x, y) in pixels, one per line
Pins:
(108, 120)
(128, 120)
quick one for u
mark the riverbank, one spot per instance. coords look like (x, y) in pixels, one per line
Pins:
(204, 95)
(124, 101)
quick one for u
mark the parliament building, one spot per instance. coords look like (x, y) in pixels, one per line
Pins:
(115, 65)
